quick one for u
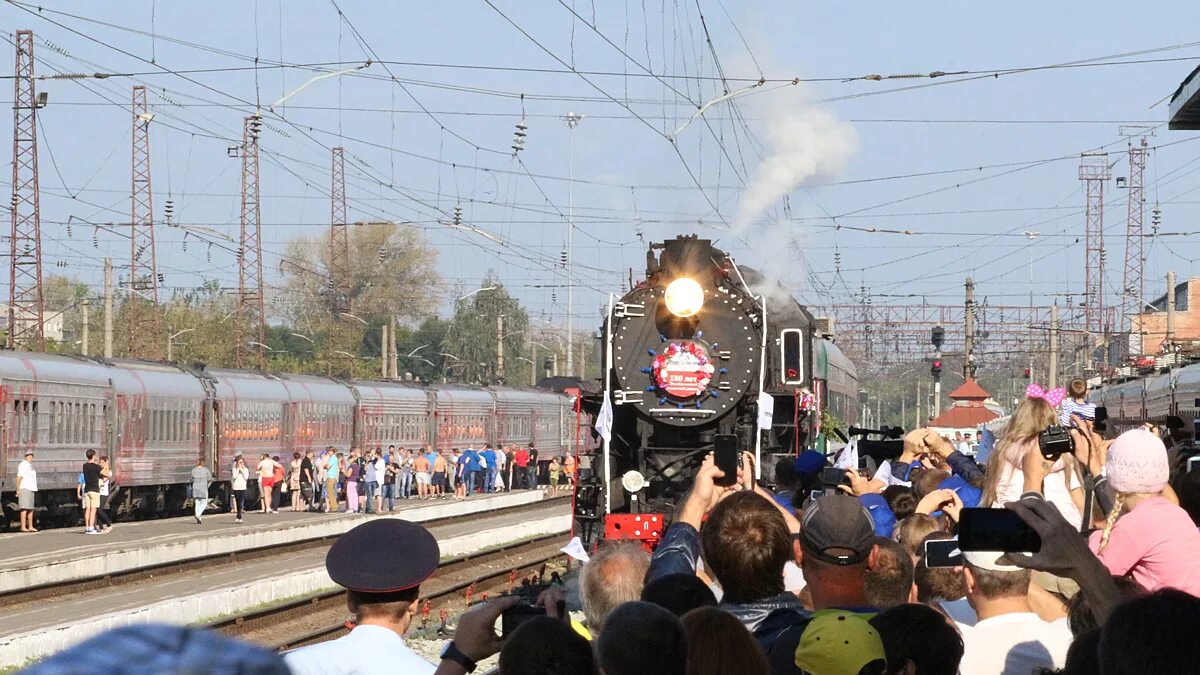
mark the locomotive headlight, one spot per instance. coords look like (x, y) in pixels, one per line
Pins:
(684, 297)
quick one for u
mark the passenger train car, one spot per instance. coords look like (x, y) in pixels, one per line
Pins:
(700, 348)
(1172, 393)
(154, 420)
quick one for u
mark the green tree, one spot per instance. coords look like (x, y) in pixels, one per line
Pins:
(481, 320)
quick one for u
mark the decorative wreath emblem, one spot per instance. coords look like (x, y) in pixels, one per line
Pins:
(682, 369)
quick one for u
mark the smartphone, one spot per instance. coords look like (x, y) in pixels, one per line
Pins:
(1101, 422)
(996, 530)
(725, 452)
(814, 495)
(513, 617)
(833, 476)
(943, 553)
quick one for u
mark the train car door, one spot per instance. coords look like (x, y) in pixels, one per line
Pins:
(291, 432)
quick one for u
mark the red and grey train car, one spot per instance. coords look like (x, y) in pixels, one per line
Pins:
(154, 420)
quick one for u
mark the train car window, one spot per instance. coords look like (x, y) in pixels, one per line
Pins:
(791, 366)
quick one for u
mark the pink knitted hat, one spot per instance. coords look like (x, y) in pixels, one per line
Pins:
(1137, 463)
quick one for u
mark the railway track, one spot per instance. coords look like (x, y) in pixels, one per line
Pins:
(50, 592)
(317, 618)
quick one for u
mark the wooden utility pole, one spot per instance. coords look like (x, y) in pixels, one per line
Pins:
(385, 359)
(395, 364)
(108, 308)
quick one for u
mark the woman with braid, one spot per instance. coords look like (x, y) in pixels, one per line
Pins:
(1147, 535)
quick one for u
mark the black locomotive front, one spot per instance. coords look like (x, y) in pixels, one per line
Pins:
(687, 355)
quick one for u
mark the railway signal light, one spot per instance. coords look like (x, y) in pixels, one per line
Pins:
(938, 336)
(1027, 373)
(935, 369)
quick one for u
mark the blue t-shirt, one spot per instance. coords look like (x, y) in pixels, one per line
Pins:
(431, 458)
(473, 462)
(489, 458)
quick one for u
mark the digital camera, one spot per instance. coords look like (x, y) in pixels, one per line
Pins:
(1055, 441)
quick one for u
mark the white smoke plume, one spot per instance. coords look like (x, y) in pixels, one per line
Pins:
(803, 141)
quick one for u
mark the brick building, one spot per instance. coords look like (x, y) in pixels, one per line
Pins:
(1152, 325)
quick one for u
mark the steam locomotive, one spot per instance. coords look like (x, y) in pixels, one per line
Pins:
(701, 347)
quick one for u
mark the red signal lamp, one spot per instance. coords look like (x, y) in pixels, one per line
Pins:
(792, 373)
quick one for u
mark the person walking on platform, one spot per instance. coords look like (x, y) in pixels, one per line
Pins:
(332, 470)
(92, 473)
(351, 475)
(390, 471)
(554, 468)
(474, 470)
(489, 468)
(239, 478)
(201, 479)
(439, 474)
(27, 491)
(266, 481)
(281, 484)
(370, 482)
(501, 463)
(460, 474)
(294, 480)
(521, 468)
(106, 481)
(382, 592)
(569, 466)
(381, 477)
(307, 482)
(421, 469)
(533, 467)
(406, 473)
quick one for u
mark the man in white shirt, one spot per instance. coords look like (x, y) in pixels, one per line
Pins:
(964, 444)
(382, 593)
(27, 488)
(1008, 638)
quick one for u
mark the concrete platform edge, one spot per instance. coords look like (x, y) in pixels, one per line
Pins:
(182, 547)
(18, 649)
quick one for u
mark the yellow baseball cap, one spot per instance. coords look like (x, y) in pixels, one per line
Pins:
(837, 642)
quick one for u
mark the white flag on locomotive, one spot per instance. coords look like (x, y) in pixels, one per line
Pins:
(604, 420)
(766, 410)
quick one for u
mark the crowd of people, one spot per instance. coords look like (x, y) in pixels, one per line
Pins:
(835, 579)
(800, 576)
(375, 480)
(330, 481)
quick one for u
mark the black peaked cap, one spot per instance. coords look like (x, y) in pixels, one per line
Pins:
(383, 556)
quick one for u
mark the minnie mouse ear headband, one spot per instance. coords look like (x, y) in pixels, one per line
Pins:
(1054, 397)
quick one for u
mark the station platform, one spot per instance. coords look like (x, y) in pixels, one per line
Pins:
(62, 555)
(33, 630)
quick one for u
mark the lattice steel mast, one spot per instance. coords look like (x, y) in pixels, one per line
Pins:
(251, 326)
(25, 304)
(339, 253)
(1094, 171)
(144, 328)
(1133, 286)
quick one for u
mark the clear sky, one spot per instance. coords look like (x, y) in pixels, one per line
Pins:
(432, 130)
